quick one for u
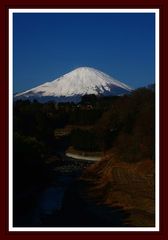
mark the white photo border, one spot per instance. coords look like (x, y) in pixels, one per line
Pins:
(157, 134)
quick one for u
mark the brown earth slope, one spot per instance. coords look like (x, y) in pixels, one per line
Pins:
(127, 185)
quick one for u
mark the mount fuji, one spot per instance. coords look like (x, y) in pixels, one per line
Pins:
(75, 84)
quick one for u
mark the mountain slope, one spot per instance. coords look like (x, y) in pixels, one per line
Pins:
(73, 85)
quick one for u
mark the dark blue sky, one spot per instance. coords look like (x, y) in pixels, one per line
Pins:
(48, 45)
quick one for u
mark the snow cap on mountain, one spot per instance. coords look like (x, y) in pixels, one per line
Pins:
(79, 82)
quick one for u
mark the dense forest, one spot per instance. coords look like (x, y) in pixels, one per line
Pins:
(123, 125)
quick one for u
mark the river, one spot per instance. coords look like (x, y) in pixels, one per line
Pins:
(60, 203)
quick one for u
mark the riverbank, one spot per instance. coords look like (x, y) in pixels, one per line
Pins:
(110, 180)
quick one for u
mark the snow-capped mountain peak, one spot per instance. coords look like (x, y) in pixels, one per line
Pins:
(73, 85)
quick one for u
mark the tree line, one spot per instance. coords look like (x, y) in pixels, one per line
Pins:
(124, 124)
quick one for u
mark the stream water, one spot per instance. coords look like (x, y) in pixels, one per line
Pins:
(60, 205)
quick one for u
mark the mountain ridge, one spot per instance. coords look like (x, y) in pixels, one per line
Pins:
(75, 84)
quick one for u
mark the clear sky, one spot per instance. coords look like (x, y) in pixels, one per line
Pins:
(48, 45)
